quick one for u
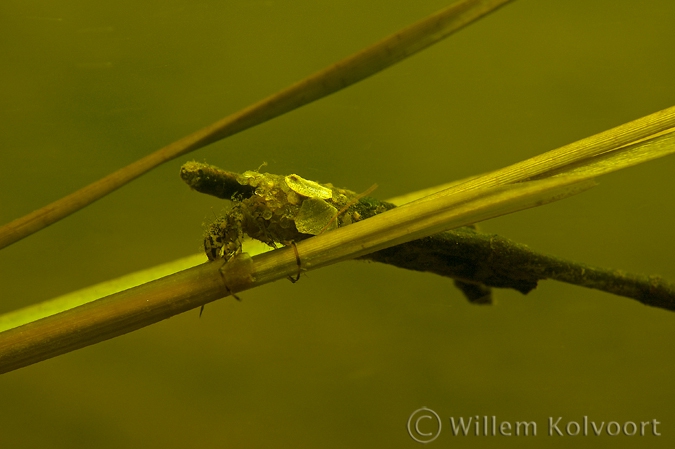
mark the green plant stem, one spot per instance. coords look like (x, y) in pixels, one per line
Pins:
(147, 304)
(342, 74)
(109, 317)
(155, 301)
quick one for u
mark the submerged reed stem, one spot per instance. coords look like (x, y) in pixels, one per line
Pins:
(338, 76)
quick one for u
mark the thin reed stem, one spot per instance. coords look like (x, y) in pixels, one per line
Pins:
(342, 74)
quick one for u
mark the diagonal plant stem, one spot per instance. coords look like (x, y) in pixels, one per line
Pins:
(626, 145)
(342, 74)
(152, 302)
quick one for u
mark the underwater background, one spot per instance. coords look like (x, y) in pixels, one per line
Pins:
(343, 357)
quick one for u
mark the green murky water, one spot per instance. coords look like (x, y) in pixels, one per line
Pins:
(343, 357)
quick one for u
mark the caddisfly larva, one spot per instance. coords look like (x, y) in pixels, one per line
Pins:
(271, 208)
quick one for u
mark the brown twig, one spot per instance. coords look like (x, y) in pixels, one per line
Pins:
(488, 260)
(476, 261)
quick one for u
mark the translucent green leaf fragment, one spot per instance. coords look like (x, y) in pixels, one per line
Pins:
(308, 188)
(314, 215)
